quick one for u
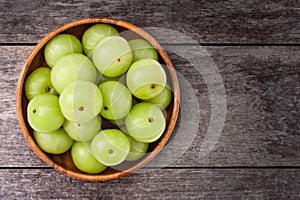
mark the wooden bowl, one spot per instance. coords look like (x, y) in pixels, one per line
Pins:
(63, 162)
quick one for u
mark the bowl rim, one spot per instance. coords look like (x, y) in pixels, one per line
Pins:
(20, 88)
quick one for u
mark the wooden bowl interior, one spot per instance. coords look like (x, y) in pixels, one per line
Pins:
(63, 162)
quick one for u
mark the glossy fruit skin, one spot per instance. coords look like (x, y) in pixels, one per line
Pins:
(81, 101)
(44, 114)
(163, 99)
(83, 132)
(145, 122)
(117, 100)
(61, 45)
(112, 56)
(149, 139)
(84, 160)
(142, 49)
(55, 142)
(70, 68)
(137, 149)
(146, 78)
(94, 34)
(110, 147)
(38, 82)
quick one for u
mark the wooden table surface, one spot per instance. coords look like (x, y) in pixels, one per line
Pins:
(254, 44)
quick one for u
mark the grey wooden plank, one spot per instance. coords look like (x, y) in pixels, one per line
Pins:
(12, 60)
(25, 21)
(162, 184)
(262, 121)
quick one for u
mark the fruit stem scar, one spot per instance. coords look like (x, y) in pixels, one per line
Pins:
(110, 151)
(105, 108)
(119, 60)
(150, 119)
(34, 111)
(47, 89)
(152, 86)
(81, 108)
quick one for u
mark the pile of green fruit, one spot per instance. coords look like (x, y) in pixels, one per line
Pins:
(101, 76)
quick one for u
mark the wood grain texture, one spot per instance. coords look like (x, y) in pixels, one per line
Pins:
(162, 184)
(262, 122)
(253, 21)
(257, 155)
